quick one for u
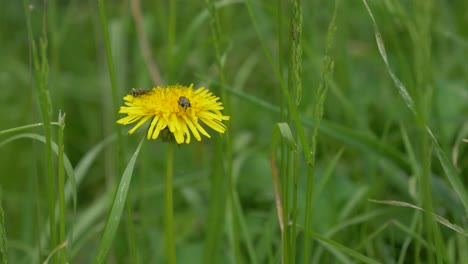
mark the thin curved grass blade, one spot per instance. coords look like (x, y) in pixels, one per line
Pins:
(441, 220)
(282, 131)
(336, 248)
(115, 214)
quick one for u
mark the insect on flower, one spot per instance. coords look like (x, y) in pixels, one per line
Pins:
(184, 102)
(138, 92)
(161, 105)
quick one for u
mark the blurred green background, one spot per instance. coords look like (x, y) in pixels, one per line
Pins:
(362, 106)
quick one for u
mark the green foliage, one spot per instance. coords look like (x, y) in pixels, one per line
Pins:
(347, 140)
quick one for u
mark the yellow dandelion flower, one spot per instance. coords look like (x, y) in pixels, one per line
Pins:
(175, 112)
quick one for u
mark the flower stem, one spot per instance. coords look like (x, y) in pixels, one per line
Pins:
(169, 214)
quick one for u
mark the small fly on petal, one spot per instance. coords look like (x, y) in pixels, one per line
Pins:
(138, 92)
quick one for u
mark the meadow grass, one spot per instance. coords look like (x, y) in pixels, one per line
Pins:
(347, 138)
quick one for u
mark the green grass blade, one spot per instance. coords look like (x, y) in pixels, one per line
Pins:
(266, 51)
(452, 175)
(23, 128)
(41, 70)
(216, 212)
(282, 132)
(88, 225)
(171, 38)
(110, 65)
(226, 157)
(115, 214)
(61, 189)
(3, 237)
(358, 219)
(117, 128)
(245, 231)
(295, 86)
(380, 44)
(441, 220)
(333, 245)
(193, 29)
(320, 95)
(170, 247)
(411, 234)
(348, 223)
(87, 160)
(326, 175)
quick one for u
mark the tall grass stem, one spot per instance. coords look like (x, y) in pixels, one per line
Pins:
(226, 159)
(61, 188)
(169, 206)
(115, 100)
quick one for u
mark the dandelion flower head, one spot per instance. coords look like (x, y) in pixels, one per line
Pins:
(177, 109)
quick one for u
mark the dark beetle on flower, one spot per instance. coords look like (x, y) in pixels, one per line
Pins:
(184, 102)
